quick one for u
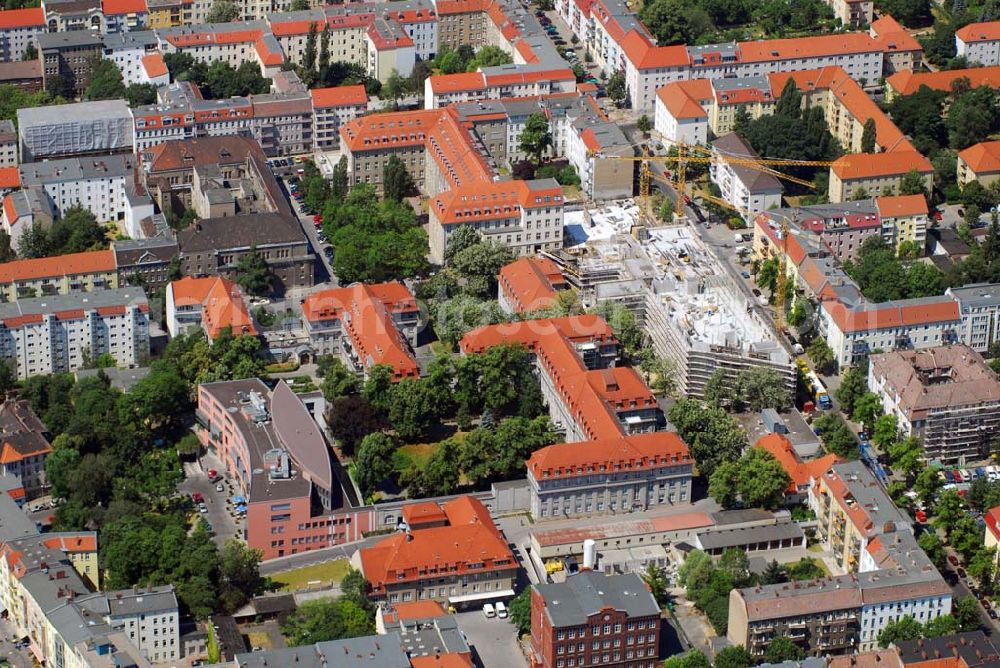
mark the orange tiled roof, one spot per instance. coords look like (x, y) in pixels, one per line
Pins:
(798, 471)
(365, 314)
(979, 32)
(423, 512)
(450, 660)
(382, 131)
(684, 99)
(22, 18)
(418, 609)
(529, 283)
(644, 56)
(116, 7)
(807, 47)
(154, 65)
(901, 205)
(10, 177)
(339, 96)
(469, 538)
(90, 262)
(84, 542)
(455, 83)
(893, 315)
(982, 158)
(873, 165)
(908, 82)
(491, 200)
(631, 453)
(9, 211)
(222, 304)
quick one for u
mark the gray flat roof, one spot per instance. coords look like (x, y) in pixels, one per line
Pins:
(75, 169)
(77, 301)
(570, 603)
(725, 538)
(79, 112)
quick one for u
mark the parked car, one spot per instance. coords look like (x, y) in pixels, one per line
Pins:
(745, 274)
(202, 508)
(953, 560)
(961, 572)
(949, 477)
(501, 610)
(198, 498)
(958, 475)
(489, 611)
(979, 472)
(220, 487)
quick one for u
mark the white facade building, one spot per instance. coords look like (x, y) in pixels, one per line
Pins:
(749, 190)
(58, 333)
(18, 28)
(979, 307)
(979, 43)
(150, 619)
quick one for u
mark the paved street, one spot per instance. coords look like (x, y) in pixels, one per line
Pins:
(494, 641)
(18, 658)
(219, 514)
(324, 272)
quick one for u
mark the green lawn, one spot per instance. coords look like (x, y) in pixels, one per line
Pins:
(309, 576)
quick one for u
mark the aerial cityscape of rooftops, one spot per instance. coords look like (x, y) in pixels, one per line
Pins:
(500, 333)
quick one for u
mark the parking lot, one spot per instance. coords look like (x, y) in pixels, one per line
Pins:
(494, 641)
(219, 511)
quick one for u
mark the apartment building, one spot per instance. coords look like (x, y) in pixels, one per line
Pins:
(749, 190)
(169, 13)
(394, 649)
(73, 273)
(587, 396)
(860, 174)
(979, 309)
(212, 304)
(679, 111)
(946, 396)
(8, 144)
(23, 74)
(149, 617)
(18, 28)
(104, 186)
(68, 130)
(452, 553)
(888, 576)
(908, 82)
(144, 261)
(904, 219)
(122, 16)
(842, 228)
(331, 109)
(618, 475)
(137, 55)
(979, 43)
(275, 453)
(283, 122)
(853, 13)
(69, 57)
(24, 446)
(530, 284)
(182, 113)
(370, 141)
(22, 209)
(493, 83)
(60, 333)
(365, 325)
(592, 619)
(980, 162)
(851, 325)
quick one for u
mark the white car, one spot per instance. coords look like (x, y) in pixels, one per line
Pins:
(220, 487)
(992, 473)
(489, 611)
(501, 610)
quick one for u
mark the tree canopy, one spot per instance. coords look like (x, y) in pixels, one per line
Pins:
(713, 435)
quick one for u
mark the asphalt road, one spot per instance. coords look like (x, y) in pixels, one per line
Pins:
(324, 271)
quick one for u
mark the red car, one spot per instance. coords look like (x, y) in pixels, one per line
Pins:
(953, 560)
(318, 218)
(921, 516)
(197, 497)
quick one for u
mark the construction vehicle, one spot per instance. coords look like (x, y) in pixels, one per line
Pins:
(553, 566)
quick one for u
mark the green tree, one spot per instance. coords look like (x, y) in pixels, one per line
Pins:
(944, 625)
(910, 13)
(712, 435)
(868, 137)
(691, 659)
(644, 125)
(905, 628)
(853, 384)
(338, 181)
(324, 49)
(413, 409)
(885, 432)
(774, 573)
(519, 612)
(349, 419)
(253, 274)
(867, 409)
(656, 579)
(536, 138)
(338, 380)
(821, 355)
(966, 613)
(758, 479)
(972, 117)
(325, 619)
(378, 389)
(140, 94)
(396, 180)
(106, 81)
(617, 89)
(374, 461)
(912, 183)
(907, 455)
(931, 545)
(309, 55)
(58, 467)
(734, 656)
(789, 103)
(239, 575)
(782, 649)
(837, 436)
(222, 11)
(673, 22)
(948, 510)
(489, 56)
(927, 485)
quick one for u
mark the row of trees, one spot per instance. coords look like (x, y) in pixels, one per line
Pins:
(107, 83)
(218, 80)
(752, 389)
(76, 231)
(318, 70)
(882, 276)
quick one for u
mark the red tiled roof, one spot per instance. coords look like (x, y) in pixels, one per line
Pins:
(154, 65)
(873, 165)
(627, 453)
(418, 609)
(469, 538)
(807, 47)
(365, 312)
(221, 300)
(982, 158)
(339, 96)
(455, 83)
(893, 315)
(117, 7)
(89, 262)
(529, 283)
(10, 177)
(908, 82)
(684, 99)
(424, 512)
(382, 131)
(798, 471)
(901, 205)
(979, 32)
(450, 660)
(83, 542)
(22, 18)
(644, 56)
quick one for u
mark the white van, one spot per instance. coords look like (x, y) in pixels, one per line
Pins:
(501, 610)
(489, 611)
